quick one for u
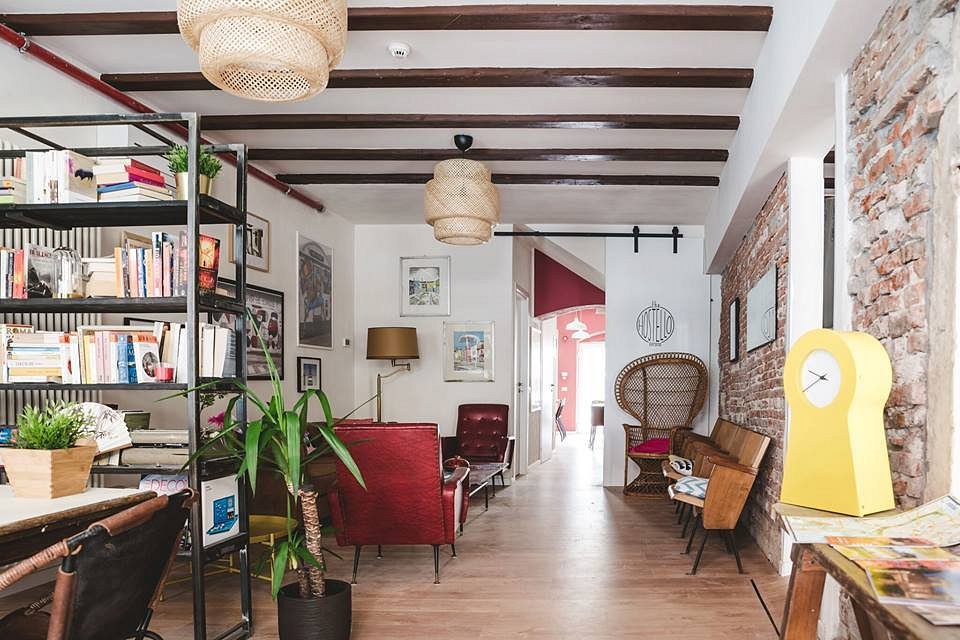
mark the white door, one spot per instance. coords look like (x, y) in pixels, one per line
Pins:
(547, 426)
(521, 380)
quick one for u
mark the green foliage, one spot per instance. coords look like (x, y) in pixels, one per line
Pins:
(57, 426)
(178, 161)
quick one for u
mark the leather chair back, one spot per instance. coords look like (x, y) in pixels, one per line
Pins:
(482, 431)
(400, 464)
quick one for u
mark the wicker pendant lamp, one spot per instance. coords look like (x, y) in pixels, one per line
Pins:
(270, 50)
(461, 203)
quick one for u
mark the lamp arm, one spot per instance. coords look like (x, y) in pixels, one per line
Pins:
(399, 366)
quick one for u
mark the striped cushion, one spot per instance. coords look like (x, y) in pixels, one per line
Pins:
(692, 486)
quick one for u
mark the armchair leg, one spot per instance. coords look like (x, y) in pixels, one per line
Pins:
(683, 534)
(732, 539)
(356, 563)
(681, 507)
(453, 548)
(436, 564)
(693, 532)
(696, 563)
(379, 552)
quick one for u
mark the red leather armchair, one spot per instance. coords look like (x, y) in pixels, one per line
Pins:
(481, 435)
(407, 500)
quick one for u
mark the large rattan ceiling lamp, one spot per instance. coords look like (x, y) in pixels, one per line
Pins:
(461, 203)
(270, 50)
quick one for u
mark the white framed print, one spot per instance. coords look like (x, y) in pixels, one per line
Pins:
(258, 243)
(468, 351)
(425, 286)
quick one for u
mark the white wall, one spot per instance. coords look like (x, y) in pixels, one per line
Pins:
(634, 281)
(482, 289)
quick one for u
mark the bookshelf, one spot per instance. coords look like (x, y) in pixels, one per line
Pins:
(196, 210)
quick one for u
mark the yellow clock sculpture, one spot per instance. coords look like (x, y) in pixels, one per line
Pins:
(837, 384)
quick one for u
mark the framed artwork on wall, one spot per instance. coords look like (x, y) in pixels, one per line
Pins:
(258, 243)
(266, 305)
(425, 286)
(733, 326)
(468, 351)
(314, 293)
(308, 373)
(762, 310)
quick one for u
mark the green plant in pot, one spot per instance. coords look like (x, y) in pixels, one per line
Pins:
(52, 458)
(282, 442)
(178, 162)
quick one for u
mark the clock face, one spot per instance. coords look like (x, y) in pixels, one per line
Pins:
(820, 378)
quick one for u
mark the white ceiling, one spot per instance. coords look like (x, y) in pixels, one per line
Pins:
(492, 48)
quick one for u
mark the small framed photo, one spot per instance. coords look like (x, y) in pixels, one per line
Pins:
(258, 243)
(733, 320)
(425, 286)
(468, 351)
(308, 373)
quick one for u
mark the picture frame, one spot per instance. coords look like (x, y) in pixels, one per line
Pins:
(314, 294)
(258, 243)
(762, 310)
(261, 303)
(309, 371)
(468, 351)
(733, 326)
(425, 286)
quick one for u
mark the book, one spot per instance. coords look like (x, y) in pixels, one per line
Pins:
(147, 357)
(155, 456)
(919, 582)
(209, 264)
(128, 174)
(160, 437)
(40, 271)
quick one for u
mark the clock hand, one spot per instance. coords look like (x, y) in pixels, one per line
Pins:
(817, 374)
(813, 383)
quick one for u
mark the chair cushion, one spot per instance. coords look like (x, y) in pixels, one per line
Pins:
(692, 486)
(653, 445)
(683, 466)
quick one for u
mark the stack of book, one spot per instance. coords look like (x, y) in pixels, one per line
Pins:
(157, 447)
(158, 268)
(128, 180)
(12, 190)
(59, 176)
(30, 272)
(100, 277)
(36, 357)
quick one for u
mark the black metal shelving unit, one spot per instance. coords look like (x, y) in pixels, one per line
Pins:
(196, 210)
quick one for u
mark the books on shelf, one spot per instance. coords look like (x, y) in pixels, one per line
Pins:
(158, 269)
(12, 190)
(129, 180)
(59, 176)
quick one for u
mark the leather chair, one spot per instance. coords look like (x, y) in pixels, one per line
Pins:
(407, 501)
(481, 435)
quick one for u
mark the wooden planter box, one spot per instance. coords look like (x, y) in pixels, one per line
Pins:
(37, 473)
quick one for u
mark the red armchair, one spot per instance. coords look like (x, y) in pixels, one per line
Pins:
(481, 435)
(407, 500)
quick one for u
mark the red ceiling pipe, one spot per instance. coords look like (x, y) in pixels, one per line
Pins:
(53, 60)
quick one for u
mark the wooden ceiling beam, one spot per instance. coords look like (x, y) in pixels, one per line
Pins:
(707, 78)
(659, 17)
(240, 122)
(566, 179)
(488, 155)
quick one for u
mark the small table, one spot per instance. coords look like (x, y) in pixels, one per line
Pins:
(482, 476)
(29, 525)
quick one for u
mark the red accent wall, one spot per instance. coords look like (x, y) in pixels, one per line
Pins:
(555, 287)
(567, 358)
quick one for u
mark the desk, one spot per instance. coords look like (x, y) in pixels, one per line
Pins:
(29, 525)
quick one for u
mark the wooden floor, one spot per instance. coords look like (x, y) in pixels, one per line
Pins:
(557, 557)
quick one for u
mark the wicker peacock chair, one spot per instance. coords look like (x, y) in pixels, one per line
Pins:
(664, 392)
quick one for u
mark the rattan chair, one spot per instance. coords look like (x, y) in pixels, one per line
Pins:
(663, 392)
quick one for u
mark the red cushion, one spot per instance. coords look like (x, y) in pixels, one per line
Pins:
(654, 445)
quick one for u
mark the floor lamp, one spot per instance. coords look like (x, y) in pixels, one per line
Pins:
(393, 344)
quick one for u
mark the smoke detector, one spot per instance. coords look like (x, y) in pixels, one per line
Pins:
(399, 49)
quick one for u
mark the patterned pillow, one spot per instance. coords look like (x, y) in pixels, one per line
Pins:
(683, 466)
(692, 486)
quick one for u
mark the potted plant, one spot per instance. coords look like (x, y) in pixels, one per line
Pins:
(282, 441)
(177, 161)
(49, 461)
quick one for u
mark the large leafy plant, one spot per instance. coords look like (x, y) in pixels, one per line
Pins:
(59, 425)
(282, 442)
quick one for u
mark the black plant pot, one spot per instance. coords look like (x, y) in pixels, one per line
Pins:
(326, 618)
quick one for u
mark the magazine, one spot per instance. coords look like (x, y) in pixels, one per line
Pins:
(876, 556)
(917, 582)
(866, 541)
(938, 616)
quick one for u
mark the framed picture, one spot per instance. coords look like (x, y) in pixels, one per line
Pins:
(314, 293)
(468, 351)
(308, 373)
(258, 243)
(266, 305)
(733, 320)
(425, 286)
(762, 310)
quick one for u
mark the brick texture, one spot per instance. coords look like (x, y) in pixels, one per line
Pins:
(751, 389)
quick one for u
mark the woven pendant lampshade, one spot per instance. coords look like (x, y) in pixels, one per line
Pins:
(461, 203)
(270, 50)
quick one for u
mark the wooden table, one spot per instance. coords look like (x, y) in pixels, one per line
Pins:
(29, 525)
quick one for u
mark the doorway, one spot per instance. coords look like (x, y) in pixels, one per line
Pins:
(591, 376)
(521, 380)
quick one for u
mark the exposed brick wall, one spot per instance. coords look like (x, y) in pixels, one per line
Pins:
(751, 389)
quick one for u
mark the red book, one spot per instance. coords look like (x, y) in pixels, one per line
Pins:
(18, 276)
(149, 174)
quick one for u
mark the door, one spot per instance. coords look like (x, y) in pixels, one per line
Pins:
(538, 402)
(521, 380)
(547, 425)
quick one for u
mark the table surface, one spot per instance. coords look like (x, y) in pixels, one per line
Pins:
(20, 514)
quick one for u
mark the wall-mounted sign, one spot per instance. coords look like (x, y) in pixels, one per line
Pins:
(655, 324)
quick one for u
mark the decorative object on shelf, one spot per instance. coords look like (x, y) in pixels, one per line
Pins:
(69, 280)
(258, 243)
(733, 328)
(425, 286)
(393, 344)
(655, 325)
(50, 459)
(461, 203)
(468, 351)
(266, 305)
(269, 50)
(837, 384)
(762, 310)
(314, 293)
(178, 162)
(308, 373)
